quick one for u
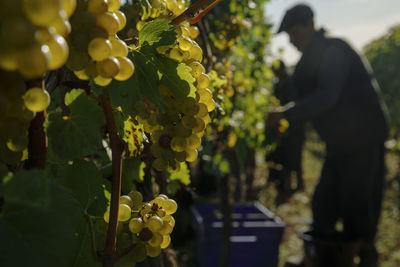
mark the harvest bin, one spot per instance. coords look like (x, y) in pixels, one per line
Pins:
(255, 240)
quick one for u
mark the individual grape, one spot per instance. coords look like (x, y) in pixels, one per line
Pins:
(191, 155)
(156, 150)
(36, 99)
(122, 19)
(61, 25)
(180, 156)
(203, 81)
(124, 213)
(178, 144)
(158, 200)
(170, 206)
(161, 212)
(18, 142)
(166, 241)
(210, 105)
(184, 43)
(194, 32)
(69, 7)
(137, 199)
(146, 208)
(163, 196)
(153, 251)
(160, 164)
(155, 223)
(126, 200)
(99, 49)
(201, 125)
(41, 12)
(146, 217)
(193, 142)
(119, 48)
(136, 225)
(113, 5)
(166, 228)
(109, 22)
(203, 111)
(145, 234)
(190, 108)
(108, 68)
(205, 94)
(173, 166)
(17, 32)
(176, 54)
(126, 69)
(196, 53)
(156, 240)
(189, 122)
(170, 219)
(97, 6)
(58, 48)
(33, 62)
(100, 80)
(197, 69)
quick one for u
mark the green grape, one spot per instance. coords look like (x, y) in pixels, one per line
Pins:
(201, 125)
(173, 166)
(189, 122)
(113, 5)
(155, 223)
(167, 154)
(58, 48)
(33, 62)
(203, 110)
(109, 22)
(191, 155)
(146, 208)
(18, 142)
(121, 18)
(100, 80)
(99, 49)
(41, 12)
(193, 142)
(203, 81)
(137, 199)
(176, 54)
(68, 6)
(156, 240)
(166, 228)
(181, 131)
(136, 225)
(194, 32)
(124, 212)
(166, 241)
(97, 6)
(61, 25)
(170, 206)
(77, 60)
(108, 68)
(160, 164)
(126, 200)
(210, 105)
(170, 219)
(90, 69)
(36, 99)
(205, 94)
(107, 216)
(17, 32)
(161, 212)
(158, 200)
(153, 251)
(184, 43)
(146, 217)
(178, 144)
(163, 196)
(197, 69)
(190, 108)
(119, 48)
(196, 53)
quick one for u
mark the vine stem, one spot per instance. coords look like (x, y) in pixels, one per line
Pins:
(117, 148)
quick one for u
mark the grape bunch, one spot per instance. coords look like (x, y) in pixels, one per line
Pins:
(150, 223)
(32, 34)
(96, 51)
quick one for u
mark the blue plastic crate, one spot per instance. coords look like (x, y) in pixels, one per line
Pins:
(255, 240)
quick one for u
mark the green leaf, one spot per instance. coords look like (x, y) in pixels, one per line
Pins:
(158, 33)
(133, 136)
(132, 172)
(79, 134)
(38, 223)
(176, 76)
(72, 96)
(182, 176)
(85, 181)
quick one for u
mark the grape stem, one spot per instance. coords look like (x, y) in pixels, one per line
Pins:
(37, 137)
(206, 44)
(92, 236)
(117, 148)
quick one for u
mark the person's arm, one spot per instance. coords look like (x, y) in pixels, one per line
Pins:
(332, 76)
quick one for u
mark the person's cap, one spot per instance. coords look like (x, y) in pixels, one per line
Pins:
(299, 14)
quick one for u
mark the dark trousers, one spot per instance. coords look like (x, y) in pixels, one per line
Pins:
(350, 188)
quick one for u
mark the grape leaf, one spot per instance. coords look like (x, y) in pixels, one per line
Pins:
(85, 181)
(183, 175)
(157, 33)
(79, 134)
(35, 235)
(133, 171)
(133, 136)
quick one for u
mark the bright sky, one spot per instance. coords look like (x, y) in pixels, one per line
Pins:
(357, 21)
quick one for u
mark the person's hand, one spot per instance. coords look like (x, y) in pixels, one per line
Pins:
(274, 118)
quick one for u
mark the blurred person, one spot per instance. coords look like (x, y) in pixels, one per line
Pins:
(287, 154)
(338, 94)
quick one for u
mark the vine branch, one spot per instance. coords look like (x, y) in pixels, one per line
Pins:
(117, 147)
(206, 42)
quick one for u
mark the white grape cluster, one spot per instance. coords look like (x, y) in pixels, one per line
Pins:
(176, 133)
(150, 223)
(33, 35)
(96, 50)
